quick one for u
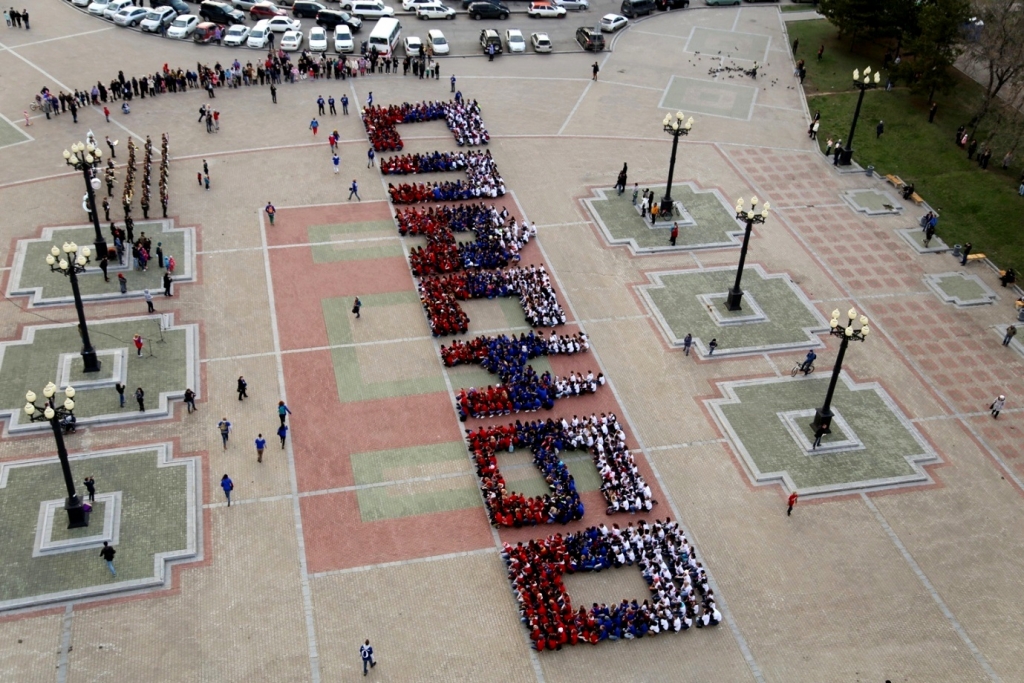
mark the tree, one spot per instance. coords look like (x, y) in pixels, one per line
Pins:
(999, 49)
(870, 19)
(937, 45)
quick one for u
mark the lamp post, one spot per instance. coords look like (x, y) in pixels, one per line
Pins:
(823, 415)
(677, 128)
(862, 84)
(78, 516)
(71, 267)
(81, 158)
(750, 217)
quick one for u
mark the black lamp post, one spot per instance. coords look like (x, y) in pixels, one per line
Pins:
(823, 415)
(78, 516)
(862, 84)
(677, 128)
(732, 301)
(81, 158)
(70, 267)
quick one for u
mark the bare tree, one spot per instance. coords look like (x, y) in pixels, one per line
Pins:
(999, 49)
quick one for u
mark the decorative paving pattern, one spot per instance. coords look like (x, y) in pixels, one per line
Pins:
(915, 238)
(31, 277)
(148, 504)
(713, 98)
(712, 221)
(781, 317)
(168, 365)
(788, 179)
(882, 448)
(872, 202)
(960, 289)
(11, 133)
(728, 44)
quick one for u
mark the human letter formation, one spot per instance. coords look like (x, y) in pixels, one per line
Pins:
(487, 267)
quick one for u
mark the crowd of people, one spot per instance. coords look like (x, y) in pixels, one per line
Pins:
(680, 595)
(423, 163)
(483, 177)
(463, 119)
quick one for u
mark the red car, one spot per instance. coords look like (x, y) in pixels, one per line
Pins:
(265, 10)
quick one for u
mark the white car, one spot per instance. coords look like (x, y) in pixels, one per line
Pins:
(434, 10)
(541, 42)
(97, 7)
(81, 3)
(413, 46)
(573, 4)
(183, 27)
(115, 6)
(514, 41)
(368, 9)
(437, 42)
(155, 18)
(283, 24)
(610, 23)
(545, 9)
(236, 35)
(412, 5)
(130, 16)
(343, 42)
(317, 39)
(291, 41)
(259, 35)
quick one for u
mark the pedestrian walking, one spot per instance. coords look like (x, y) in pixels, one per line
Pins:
(366, 652)
(879, 129)
(120, 393)
(137, 340)
(636, 192)
(261, 445)
(104, 263)
(344, 105)
(929, 232)
(7, 18)
(356, 305)
(819, 431)
(369, 99)
(282, 433)
(997, 405)
(821, 51)
(791, 502)
(674, 234)
(644, 205)
(90, 486)
(106, 114)
(369, 158)
(140, 396)
(282, 411)
(270, 211)
(314, 125)
(107, 552)
(273, 93)
(228, 486)
(320, 105)
(199, 178)
(190, 400)
(712, 346)
(206, 182)
(225, 431)
(452, 79)
(813, 132)
(595, 69)
(242, 385)
(354, 190)
(687, 343)
(167, 283)
(332, 140)
(1011, 331)
(966, 252)
(336, 160)
(796, 44)
(149, 301)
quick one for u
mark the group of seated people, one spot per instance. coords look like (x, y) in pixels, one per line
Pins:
(496, 245)
(476, 350)
(679, 593)
(465, 122)
(492, 186)
(444, 314)
(438, 162)
(380, 128)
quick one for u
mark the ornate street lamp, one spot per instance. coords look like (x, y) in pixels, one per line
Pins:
(823, 416)
(56, 415)
(750, 217)
(82, 158)
(677, 128)
(71, 267)
(862, 84)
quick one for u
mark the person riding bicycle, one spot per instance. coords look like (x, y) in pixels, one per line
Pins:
(808, 363)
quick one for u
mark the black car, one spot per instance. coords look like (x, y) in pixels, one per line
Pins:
(664, 5)
(178, 6)
(219, 13)
(329, 18)
(488, 10)
(589, 39)
(306, 8)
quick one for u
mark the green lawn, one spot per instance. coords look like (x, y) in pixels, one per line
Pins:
(974, 205)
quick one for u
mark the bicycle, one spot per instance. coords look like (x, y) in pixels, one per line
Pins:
(799, 367)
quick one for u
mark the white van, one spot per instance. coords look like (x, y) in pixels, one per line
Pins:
(259, 35)
(385, 36)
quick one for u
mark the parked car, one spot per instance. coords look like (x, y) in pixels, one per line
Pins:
(413, 46)
(291, 41)
(541, 42)
(637, 8)
(183, 26)
(665, 5)
(208, 32)
(546, 9)
(490, 37)
(369, 9)
(721, 2)
(514, 41)
(434, 10)
(81, 3)
(236, 35)
(317, 39)
(573, 4)
(330, 18)
(220, 13)
(96, 7)
(130, 16)
(488, 10)
(115, 6)
(157, 18)
(179, 6)
(411, 5)
(282, 24)
(437, 44)
(306, 8)
(610, 23)
(265, 10)
(343, 42)
(589, 39)
(244, 5)
(259, 36)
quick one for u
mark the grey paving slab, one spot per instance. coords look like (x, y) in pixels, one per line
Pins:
(960, 289)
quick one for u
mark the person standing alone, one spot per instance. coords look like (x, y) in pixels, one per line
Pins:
(107, 552)
(366, 653)
(792, 501)
(997, 405)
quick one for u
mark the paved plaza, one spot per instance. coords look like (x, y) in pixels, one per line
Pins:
(900, 561)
